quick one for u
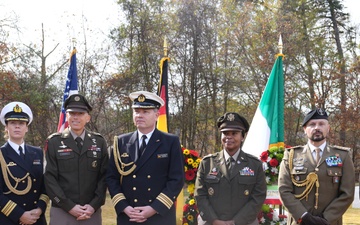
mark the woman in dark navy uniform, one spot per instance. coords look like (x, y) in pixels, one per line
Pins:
(22, 194)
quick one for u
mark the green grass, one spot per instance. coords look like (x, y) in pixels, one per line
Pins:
(351, 217)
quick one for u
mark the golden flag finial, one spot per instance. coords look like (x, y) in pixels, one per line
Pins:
(165, 47)
(280, 45)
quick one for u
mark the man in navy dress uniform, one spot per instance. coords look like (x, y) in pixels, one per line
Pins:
(146, 170)
(23, 199)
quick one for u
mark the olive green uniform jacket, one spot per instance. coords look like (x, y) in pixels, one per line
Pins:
(76, 177)
(336, 178)
(239, 197)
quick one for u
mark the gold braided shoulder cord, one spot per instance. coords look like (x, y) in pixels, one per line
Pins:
(6, 171)
(311, 179)
(117, 159)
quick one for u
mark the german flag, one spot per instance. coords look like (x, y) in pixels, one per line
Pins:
(162, 123)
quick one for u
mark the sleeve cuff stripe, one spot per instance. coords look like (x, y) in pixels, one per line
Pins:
(165, 200)
(44, 198)
(8, 208)
(117, 198)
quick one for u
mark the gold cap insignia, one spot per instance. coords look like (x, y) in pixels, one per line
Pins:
(77, 98)
(17, 109)
(141, 98)
(246, 192)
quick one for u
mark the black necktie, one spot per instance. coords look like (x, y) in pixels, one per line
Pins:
(79, 143)
(143, 145)
(21, 152)
(230, 165)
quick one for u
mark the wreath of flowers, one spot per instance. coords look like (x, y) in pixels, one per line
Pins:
(271, 162)
(269, 216)
(190, 210)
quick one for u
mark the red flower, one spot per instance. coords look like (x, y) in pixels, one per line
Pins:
(264, 156)
(274, 162)
(194, 153)
(190, 175)
(186, 207)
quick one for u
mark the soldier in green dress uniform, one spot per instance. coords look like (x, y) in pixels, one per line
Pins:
(76, 168)
(230, 186)
(317, 180)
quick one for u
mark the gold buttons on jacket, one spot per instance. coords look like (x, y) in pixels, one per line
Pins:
(149, 189)
(35, 191)
(134, 176)
(148, 176)
(134, 188)
(135, 200)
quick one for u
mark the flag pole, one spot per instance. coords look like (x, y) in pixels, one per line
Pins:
(280, 45)
(165, 47)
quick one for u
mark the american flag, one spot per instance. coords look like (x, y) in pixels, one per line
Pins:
(71, 88)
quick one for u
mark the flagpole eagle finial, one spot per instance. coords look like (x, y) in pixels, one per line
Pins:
(165, 47)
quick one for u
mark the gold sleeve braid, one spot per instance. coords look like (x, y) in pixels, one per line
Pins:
(311, 179)
(6, 171)
(117, 159)
(8, 208)
(44, 198)
(164, 199)
(117, 198)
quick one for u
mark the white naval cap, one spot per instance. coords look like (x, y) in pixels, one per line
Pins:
(145, 99)
(16, 111)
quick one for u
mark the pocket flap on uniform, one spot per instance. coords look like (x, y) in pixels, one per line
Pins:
(334, 171)
(299, 170)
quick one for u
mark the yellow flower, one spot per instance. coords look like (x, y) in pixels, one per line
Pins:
(192, 202)
(191, 188)
(190, 161)
(195, 165)
(198, 160)
(186, 152)
(185, 224)
(185, 168)
(190, 217)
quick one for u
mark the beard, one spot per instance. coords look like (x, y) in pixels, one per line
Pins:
(317, 136)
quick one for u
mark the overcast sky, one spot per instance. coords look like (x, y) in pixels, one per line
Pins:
(65, 19)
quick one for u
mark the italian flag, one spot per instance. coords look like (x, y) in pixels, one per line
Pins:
(267, 128)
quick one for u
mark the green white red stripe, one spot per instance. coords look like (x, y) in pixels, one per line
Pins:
(267, 127)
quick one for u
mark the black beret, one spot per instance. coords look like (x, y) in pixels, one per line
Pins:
(77, 103)
(315, 114)
(232, 121)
